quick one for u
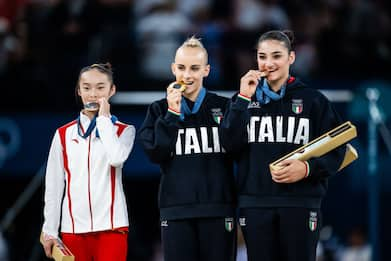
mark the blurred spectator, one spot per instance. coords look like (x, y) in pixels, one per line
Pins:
(3, 248)
(11, 10)
(71, 24)
(6, 44)
(211, 30)
(356, 37)
(159, 33)
(191, 8)
(142, 8)
(251, 18)
(114, 37)
(252, 15)
(305, 19)
(357, 248)
(306, 61)
(36, 17)
(12, 54)
(115, 17)
(139, 37)
(10, 35)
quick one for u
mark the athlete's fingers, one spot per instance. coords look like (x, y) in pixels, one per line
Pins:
(280, 179)
(282, 170)
(287, 177)
(294, 171)
(48, 246)
(104, 106)
(252, 80)
(287, 162)
(174, 93)
(258, 74)
(284, 180)
(174, 100)
(252, 74)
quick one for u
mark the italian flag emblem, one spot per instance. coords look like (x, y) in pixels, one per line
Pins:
(229, 224)
(297, 106)
(312, 225)
(313, 220)
(218, 118)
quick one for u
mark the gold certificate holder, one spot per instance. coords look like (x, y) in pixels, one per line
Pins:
(60, 251)
(323, 144)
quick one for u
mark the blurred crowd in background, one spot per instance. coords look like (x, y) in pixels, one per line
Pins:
(44, 43)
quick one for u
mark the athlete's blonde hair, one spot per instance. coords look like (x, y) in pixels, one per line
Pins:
(193, 42)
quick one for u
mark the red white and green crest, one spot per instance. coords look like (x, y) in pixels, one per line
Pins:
(217, 115)
(229, 224)
(313, 221)
(218, 119)
(297, 106)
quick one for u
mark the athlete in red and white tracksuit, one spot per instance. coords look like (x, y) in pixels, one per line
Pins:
(84, 196)
(84, 178)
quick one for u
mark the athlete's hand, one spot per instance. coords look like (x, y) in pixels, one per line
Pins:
(174, 97)
(48, 246)
(291, 171)
(104, 107)
(249, 82)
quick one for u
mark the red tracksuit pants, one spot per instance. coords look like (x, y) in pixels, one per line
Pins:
(98, 246)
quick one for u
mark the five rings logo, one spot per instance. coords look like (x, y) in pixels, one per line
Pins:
(9, 139)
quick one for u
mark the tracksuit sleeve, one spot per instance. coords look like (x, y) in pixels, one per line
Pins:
(233, 129)
(158, 133)
(54, 188)
(117, 148)
(327, 119)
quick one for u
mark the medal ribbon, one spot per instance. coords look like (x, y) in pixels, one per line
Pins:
(264, 93)
(91, 127)
(185, 110)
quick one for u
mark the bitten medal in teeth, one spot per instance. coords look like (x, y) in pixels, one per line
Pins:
(180, 85)
(91, 106)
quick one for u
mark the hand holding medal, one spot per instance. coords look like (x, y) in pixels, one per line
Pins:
(174, 95)
(250, 81)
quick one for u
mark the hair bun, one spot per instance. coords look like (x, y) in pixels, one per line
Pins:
(290, 35)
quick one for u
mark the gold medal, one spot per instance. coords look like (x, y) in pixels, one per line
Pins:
(179, 85)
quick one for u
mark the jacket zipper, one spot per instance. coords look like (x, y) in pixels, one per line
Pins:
(89, 183)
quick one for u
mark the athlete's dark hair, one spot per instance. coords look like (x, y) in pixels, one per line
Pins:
(285, 36)
(104, 68)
